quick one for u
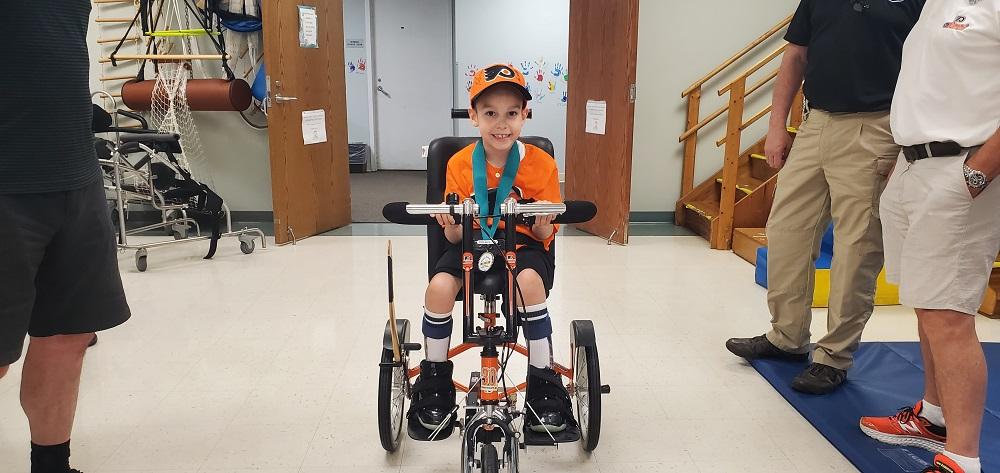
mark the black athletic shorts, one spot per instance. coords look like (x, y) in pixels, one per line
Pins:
(531, 256)
(58, 267)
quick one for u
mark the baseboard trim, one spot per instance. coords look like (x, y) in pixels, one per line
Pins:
(651, 217)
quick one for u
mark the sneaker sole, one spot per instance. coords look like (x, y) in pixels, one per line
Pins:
(904, 440)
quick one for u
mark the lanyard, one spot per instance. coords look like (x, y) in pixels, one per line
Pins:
(503, 190)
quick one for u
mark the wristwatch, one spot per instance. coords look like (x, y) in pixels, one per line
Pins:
(975, 179)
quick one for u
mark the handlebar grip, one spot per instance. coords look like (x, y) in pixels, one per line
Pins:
(577, 211)
(395, 212)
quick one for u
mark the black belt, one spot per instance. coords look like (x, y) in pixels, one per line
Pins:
(931, 150)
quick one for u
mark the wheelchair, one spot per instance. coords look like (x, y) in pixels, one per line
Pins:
(158, 181)
(487, 420)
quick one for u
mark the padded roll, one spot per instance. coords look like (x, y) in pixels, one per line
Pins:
(203, 95)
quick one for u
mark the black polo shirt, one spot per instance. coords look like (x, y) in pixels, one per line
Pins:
(855, 50)
(46, 142)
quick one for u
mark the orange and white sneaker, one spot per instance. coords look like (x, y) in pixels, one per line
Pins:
(907, 428)
(943, 464)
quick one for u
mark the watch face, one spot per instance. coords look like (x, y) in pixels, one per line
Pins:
(975, 179)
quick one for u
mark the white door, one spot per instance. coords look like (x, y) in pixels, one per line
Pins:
(413, 78)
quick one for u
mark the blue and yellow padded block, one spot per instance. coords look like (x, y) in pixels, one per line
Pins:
(885, 293)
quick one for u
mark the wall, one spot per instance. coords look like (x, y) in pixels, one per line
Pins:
(535, 39)
(679, 42)
(236, 163)
(356, 70)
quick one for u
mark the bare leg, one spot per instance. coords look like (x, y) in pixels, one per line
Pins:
(930, 382)
(50, 384)
(960, 372)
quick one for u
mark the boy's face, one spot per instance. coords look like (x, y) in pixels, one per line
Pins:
(499, 114)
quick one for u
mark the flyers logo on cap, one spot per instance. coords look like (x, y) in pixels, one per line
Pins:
(491, 73)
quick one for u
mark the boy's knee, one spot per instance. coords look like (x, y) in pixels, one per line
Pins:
(443, 284)
(530, 278)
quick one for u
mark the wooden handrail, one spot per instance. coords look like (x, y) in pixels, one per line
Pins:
(687, 134)
(749, 72)
(737, 56)
(746, 125)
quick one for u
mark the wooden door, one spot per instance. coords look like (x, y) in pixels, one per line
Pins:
(310, 183)
(602, 52)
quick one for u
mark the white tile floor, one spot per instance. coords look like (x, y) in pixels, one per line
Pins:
(267, 363)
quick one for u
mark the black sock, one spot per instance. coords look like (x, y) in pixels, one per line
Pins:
(49, 458)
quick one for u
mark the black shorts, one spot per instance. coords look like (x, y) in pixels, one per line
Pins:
(58, 267)
(528, 257)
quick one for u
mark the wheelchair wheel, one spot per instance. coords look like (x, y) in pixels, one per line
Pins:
(140, 260)
(247, 247)
(587, 383)
(489, 459)
(392, 393)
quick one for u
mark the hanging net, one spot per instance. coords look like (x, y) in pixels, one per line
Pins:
(171, 113)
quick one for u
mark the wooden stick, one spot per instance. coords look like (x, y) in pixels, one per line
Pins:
(392, 312)
(124, 77)
(168, 57)
(115, 40)
(105, 60)
(113, 20)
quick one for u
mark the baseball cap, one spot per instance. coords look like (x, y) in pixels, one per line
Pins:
(498, 74)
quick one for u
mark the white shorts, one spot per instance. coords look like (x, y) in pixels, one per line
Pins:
(940, 243)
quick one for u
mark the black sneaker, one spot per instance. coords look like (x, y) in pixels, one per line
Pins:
(760, 347)
(433, 402)
(551, 409)
(819, 379)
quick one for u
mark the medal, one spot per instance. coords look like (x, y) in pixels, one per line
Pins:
(486, 261)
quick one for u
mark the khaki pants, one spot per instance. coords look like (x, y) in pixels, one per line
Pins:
(837, 168)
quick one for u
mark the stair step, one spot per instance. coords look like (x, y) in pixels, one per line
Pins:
(991, 298)
(708, 209)
(746, 187)
(746, 241)
(758, 156)
(792, 129)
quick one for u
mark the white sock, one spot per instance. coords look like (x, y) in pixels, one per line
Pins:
(970, 465)
(932, 413)
(540, 349)
(437, 336)
(540, 353)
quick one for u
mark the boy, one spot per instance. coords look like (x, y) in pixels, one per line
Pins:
(498, 107)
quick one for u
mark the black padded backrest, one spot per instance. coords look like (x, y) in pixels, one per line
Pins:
(439, 152)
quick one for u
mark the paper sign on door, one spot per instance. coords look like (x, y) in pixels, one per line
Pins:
(313, 126)
(308, 27)
(597, 113)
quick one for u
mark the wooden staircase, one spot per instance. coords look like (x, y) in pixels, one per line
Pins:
(739, 195)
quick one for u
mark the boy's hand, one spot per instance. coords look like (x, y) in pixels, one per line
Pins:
(543, 223)
(445, 220)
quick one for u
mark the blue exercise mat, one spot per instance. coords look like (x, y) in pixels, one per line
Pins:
(885, 377)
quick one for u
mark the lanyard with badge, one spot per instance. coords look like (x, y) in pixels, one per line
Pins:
(503, 190)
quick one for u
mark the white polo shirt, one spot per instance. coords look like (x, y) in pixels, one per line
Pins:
(949, 85)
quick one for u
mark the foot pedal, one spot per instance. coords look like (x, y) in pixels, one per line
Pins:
(418, 432)
(542, 439)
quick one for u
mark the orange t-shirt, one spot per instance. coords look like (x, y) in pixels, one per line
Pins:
(537, 178)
